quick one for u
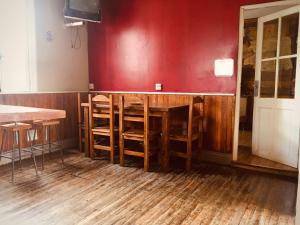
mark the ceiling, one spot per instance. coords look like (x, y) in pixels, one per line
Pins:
(255, 13)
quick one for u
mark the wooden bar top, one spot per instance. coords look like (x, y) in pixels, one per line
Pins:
(10, 113)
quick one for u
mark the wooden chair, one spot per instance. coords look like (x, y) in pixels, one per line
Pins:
(191, 132)
(83, 124)
(135, 110)
(102, 124)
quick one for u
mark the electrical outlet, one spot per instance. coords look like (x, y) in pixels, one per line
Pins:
(91, 86)
(158, 87)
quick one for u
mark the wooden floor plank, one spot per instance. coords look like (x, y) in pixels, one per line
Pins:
(97, 192)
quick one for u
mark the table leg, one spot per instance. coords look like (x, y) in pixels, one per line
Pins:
(86, 131)
(165, 140)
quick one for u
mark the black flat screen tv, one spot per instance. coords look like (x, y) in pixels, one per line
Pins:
(88, 10)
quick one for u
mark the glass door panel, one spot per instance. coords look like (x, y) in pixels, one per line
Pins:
(270, 38)
(286, 78)
(268, 75)
(289, 34)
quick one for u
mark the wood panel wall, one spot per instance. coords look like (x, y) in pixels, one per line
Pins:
(218, 114)
(218, 111)
(64, 101)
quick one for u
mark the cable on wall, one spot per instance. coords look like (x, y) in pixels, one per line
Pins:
(75, 38)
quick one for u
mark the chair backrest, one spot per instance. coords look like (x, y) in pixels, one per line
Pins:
(101, 107)
(134, 109)
(196, 108)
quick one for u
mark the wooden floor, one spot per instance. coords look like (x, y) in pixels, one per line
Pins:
(97, 192)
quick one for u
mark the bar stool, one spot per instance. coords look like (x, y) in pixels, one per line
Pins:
(46, 138)
(15, 130)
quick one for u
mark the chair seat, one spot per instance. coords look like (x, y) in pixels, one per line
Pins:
(46, 122)
(104, 130)
(134, 133)
(16, 126)
(138, 134)
(183, 137)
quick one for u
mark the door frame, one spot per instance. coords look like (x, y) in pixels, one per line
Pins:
(240, 61)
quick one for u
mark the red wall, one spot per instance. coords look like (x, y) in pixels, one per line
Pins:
(173, 42)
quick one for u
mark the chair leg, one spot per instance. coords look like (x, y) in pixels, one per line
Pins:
(92, 150)
(160, 153)
(121, 150)
(188, 164)
(146, 157)
(189, 157)
(146, 163)
(112, 148)
(112, 155)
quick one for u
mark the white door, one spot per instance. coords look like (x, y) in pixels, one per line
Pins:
(276, 120)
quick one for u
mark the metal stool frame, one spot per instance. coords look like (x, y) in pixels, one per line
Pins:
(16, 137)
(46, 141)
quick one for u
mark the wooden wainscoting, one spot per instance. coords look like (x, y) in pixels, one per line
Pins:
(64, 101)
(218, 114)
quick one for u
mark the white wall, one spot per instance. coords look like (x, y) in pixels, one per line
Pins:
(36, 48)
(59, 66)
(13, 46)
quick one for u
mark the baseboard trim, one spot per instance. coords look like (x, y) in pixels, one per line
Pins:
(266, 170)
(215, 157)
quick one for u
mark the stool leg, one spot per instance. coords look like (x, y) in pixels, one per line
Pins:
(2, 143)
(48, 128)
(13, 159)
(34, 136)
(19, 148)
(60, 144)
(43, 146)
(31, 150)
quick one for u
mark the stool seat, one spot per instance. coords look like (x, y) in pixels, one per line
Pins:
(46, 123)
(16, 126)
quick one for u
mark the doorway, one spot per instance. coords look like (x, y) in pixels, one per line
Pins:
(248, 135)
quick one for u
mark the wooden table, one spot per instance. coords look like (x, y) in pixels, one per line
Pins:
(9, 113)
(163, 111)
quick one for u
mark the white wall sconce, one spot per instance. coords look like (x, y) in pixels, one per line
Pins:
(224, 67)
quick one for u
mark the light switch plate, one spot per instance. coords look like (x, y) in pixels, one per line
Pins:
(158, 87)
(224, 67)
